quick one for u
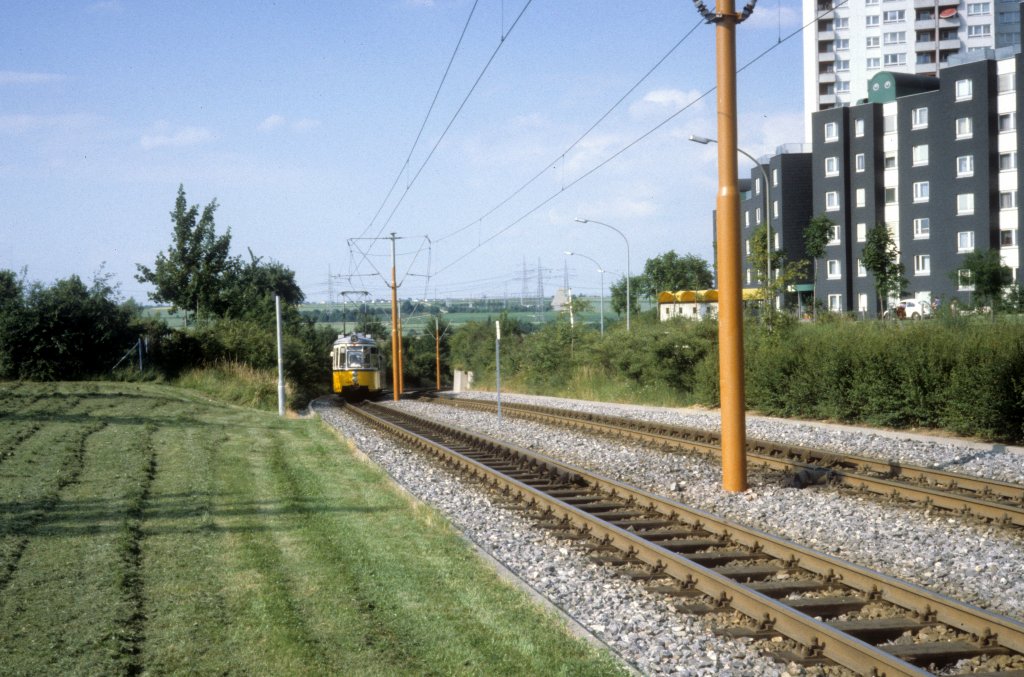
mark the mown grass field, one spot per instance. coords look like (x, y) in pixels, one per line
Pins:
(145, 529)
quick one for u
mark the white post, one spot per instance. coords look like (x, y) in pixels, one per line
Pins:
(280, 359)
(497, 364)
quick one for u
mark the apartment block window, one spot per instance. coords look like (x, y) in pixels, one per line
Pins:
(889, 124)
(842, 65)
(965, 166)
(858, 162)
(833, 271)
(835, 303)
(895, 59)
(1008, 161)
(894, 16)
(841, 23)
(894, 38)
(775, 177)
(1006, 82)
(1011, 17)
(859, 197)
(919, 117)
(861, 270)
(964, 204)
(871, 21)
(858, 127)
(963, 280)
(873, 63)
(746, 247)
(919, 154)
(979, 8)
(748, 276)
(831, 131)
(862, 232)
(842, 44)
(965, 241)
(890, 196)
(1008, 199)
(979, 31)
(964, 128)
(842, 86)
(1008, 238)
(872, 41)
(757, 186)
(922, 228)
(964, 89)
(746, 219)
(832, 166)
(922, 265)
(833, 235)
(1007, 122)
(832, 201)
(889, 161)
(757, 216)
(920, 191)
(775, 209)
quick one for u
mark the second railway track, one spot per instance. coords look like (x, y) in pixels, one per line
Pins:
(695, 553)
(992, 500)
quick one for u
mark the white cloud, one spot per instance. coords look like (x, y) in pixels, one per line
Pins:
(305, 124)
(186, 136)
(105, 6)
(18, 78)
(272, 122)
(662, 102)
(275, 121)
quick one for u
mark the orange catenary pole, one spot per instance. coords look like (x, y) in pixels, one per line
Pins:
(730, 301)
(395, 366)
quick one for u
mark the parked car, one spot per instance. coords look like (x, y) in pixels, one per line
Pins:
(910, 309)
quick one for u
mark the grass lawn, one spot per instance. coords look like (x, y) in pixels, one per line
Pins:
(145, 529)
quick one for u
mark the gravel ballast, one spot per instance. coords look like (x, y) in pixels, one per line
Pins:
(975, 563)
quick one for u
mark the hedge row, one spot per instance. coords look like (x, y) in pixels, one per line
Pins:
(963, 376)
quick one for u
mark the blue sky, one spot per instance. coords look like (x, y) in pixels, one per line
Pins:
(298, 118)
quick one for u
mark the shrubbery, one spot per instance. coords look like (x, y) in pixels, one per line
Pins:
(966, 376)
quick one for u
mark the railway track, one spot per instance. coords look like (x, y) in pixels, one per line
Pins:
(835, 611)
(990, 500)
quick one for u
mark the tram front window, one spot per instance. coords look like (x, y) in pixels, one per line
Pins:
(355, 359)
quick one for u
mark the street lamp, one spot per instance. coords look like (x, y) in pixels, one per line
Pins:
(600, 270)
(581, 220)
(768, 206)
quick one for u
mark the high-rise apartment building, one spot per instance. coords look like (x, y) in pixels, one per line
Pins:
(848, 42)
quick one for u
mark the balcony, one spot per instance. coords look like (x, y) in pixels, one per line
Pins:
(826, 100)
(952, 22)
(924, 46)
(826, 77)
(826, 57)
(953, 44)
(924, 24)
(924, 69)
(826, 35)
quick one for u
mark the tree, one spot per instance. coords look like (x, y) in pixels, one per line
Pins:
(881, 258)
(987, 275)
(618, 294)
(816, 236)
(670, 272)
(188, 276)
(247, 290)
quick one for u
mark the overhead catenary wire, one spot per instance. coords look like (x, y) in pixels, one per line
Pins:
(625, 148)
(448, 127)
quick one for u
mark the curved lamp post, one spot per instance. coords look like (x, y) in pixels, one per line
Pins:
(600, 270)
(768, 205)
(600, 223)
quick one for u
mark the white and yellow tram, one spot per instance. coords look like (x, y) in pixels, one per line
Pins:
(355, 366)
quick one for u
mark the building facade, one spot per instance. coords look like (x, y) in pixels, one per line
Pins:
(855, 39)
(934, 159)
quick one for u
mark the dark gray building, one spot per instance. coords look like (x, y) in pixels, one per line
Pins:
(932, 158)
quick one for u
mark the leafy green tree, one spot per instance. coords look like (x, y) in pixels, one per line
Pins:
(247, 290)
(816, 236)
(881, 258)
(618, 294)
(67, 331)
(188, 276)
(671, 272)
(988, 275)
